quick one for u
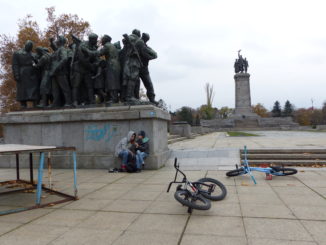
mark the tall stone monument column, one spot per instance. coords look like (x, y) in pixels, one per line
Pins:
(242, 95)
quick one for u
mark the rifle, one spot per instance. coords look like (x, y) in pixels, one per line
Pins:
(133, 48)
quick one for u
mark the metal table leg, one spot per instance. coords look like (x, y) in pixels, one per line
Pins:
(17, 166)
(31, 167)
(39, 179)
(75, 172)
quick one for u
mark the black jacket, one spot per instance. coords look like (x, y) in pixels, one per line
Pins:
(143, 145)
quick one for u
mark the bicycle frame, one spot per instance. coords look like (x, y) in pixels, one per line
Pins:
(247, 169)
(194, 191)
(246, 166)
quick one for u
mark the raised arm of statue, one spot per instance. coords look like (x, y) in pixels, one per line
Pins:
(75, 39)
(93, 53)
(145, 51)
(149, 53)
(52, 44)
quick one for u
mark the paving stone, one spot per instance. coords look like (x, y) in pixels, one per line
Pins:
(158, 223)
(257, 190)
(141, 238)
(166, 207)
(189, 239)
(276, 228)
(290, 181)
(221, 208)
(304, 200)
(32, 234)
(6, 227)
(107, 195)
(63, 218)
(261, 199)
(130, 181)
(86, 236)
(266, 211)
(215, 225)
(231, 198)
(109, 220)
(317, 230)
(321, 190)
(255, 241)
(88, 204)
(309, 212)
(293, 190)
(134, 206)
(25, 217)
(158, 188)
(140, 195)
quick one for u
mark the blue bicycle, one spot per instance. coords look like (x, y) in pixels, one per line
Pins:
(246, 169)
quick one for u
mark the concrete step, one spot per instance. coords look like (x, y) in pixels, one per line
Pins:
(171, 141)
(284, 151)
(195, 135)
(285, 156)
(288, 162)
(295, 156)
(173, 136)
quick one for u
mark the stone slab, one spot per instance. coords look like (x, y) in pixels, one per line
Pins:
(93, 131)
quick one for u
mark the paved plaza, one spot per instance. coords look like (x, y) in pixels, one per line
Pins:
(121, 208)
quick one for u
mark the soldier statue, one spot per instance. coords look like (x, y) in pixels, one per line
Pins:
(131, 65)
(245, 65)
(59, 74)
(112, 69)
(26, 75)
(85, 70)
(44, 65)
(78, 74)
(147, 54)
(241, 64)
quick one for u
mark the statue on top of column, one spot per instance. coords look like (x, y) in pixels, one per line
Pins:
(241, 64)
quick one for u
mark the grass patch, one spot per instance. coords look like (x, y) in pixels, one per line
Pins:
(232, 133)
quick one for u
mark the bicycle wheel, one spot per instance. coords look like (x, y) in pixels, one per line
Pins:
(235, 172)
(283, 171)
(197, 202)
(219, 192)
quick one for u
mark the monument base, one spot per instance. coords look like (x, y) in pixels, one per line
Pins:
(251, 123)
(93, 131)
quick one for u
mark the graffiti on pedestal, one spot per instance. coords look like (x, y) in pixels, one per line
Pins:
(100, 132)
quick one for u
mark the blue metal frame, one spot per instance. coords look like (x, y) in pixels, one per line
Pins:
(247, 169)
(39, 186)
(40, 179)
(75, 172)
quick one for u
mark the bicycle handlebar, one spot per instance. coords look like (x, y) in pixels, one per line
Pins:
(176, 166)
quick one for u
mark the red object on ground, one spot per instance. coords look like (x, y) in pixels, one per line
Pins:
(269, 176)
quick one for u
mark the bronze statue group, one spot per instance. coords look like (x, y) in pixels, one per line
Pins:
(75, 74)
(241, 64)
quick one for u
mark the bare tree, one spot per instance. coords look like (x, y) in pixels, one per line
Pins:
(209, 90)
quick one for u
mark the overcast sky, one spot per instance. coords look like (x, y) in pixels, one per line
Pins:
(197, 42)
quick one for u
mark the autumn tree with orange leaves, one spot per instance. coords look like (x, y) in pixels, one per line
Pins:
(28, 29)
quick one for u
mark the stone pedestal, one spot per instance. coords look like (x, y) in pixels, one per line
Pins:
(242, 97)
(93, 131)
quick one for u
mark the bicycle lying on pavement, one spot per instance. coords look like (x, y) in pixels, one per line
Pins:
(198, 194)
(246, 169)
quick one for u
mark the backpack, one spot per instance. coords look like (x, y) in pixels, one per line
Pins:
(131, 167)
